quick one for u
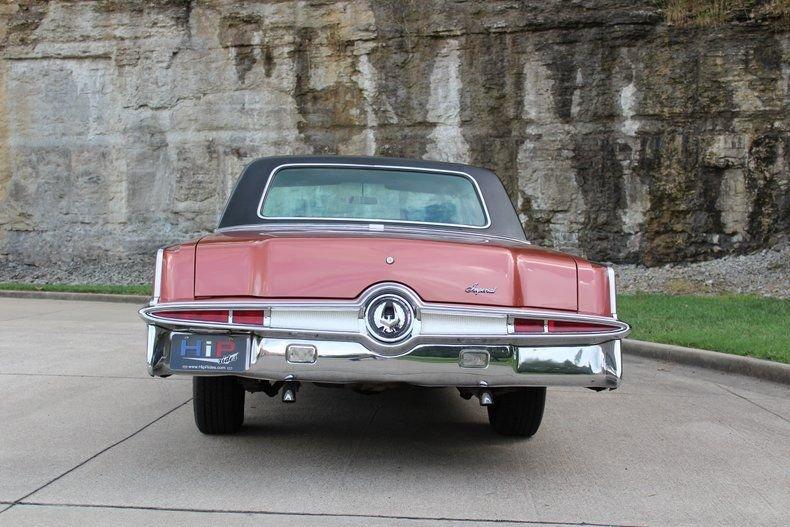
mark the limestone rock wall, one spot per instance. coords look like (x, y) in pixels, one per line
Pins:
(125, 123)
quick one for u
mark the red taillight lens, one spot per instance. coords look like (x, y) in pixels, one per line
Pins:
(528, 325)
(564, 326)
(196, 315)
(248, 318)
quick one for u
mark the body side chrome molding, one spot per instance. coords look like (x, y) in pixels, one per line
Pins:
(612, 292)
(158, 277)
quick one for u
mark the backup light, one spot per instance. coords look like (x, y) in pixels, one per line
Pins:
(473, 359)
(301, 353)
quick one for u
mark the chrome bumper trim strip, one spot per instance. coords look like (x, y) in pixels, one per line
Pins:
(419, 337)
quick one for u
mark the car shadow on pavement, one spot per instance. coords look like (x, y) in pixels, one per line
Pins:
(402, 414)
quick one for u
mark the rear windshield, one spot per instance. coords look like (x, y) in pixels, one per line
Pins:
(373, 194)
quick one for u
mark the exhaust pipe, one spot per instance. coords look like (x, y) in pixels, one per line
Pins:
(290, 387)
(486, 399)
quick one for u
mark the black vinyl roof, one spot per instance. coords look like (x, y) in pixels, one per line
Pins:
(242, 207)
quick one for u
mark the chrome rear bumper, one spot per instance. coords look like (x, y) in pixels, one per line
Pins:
(589, 365)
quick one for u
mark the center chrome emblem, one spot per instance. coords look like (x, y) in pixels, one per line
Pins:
(389, 318)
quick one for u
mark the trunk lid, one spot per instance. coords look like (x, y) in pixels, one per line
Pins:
(467, 270)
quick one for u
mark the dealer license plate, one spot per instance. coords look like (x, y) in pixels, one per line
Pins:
(196, 353)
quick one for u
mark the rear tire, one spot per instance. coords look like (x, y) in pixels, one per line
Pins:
(218, 404)
(518, 412)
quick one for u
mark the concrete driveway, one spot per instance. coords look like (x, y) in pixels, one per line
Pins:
(87, 438)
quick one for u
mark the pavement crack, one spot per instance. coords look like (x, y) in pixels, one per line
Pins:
(783, 418)
(445, 519)
(32, 315)
(94, 456)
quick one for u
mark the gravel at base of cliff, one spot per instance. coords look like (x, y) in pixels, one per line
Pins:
(765, 273)
(125, 272)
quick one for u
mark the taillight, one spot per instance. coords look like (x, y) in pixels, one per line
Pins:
(564, 326)
(243, 317)
(197, 315)
(248, 317)
(529, 325)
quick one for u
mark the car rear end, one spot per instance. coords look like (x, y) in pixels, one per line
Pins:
(440, 296)
(259, 331)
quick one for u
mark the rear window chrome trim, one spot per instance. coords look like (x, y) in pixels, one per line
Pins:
(306, 226)
(259, 211)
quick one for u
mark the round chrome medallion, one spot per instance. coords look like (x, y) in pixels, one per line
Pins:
(389, 318)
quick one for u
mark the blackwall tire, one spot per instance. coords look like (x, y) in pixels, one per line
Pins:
(518, 412)
(218, 403)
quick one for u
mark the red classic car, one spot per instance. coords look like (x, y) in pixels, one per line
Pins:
(371, 272)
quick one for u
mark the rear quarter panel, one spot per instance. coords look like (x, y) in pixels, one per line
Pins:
(178, 273)
(593, 289)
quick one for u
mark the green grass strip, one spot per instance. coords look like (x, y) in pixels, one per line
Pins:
(142, 289)
(736, 324)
